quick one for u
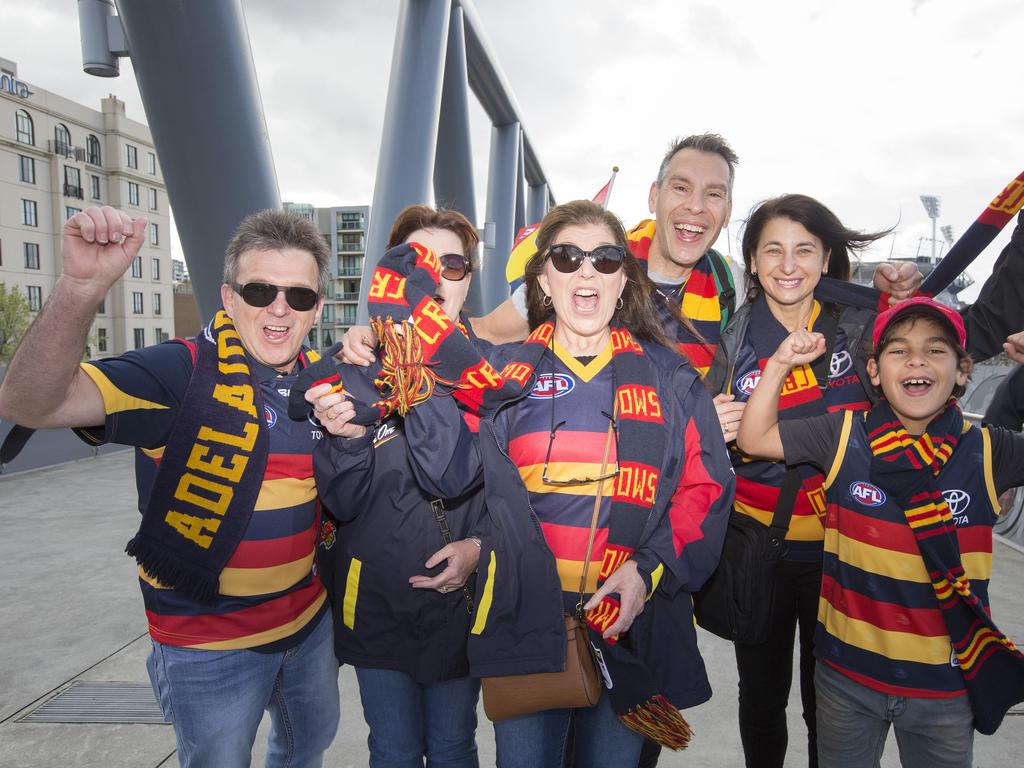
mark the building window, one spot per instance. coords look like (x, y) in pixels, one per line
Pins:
(351, 221)
(35, 298)
(151, 163)
(152, 198)
(26, 132)
(101, 339)
(157, 309)
(31, 255)
(131, 155)
(70, 211)
(351, 242)
(137, 266)
(27, 169)
(73, 182)
(156, 269)
(161, 337)
(94, 187)
(103, 306)
(140, 337)
(154, 234)
(133, 193)
(136, 302)
(92, 150)
(29, 213)
(62, 141)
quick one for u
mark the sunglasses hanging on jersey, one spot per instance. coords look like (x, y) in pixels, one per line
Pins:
(567, 258)
(263, 295)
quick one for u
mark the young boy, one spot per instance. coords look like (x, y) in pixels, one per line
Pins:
(912, 490)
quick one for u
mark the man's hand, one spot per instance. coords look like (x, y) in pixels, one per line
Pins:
(730, 413)
(629, 585)
(98, 245)
(1014, 347)
(900, 281)
(462, 557)
(801, 347)
(334, 411)
(357, 345)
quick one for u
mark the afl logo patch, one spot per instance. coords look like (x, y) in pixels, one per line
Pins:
(271, 415)
(552, 385)
(840, 363)
(867, 494)
(748, 381)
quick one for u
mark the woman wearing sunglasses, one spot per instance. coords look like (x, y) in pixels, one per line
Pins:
(398, 554)
(597, 376)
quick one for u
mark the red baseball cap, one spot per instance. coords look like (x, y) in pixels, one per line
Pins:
(919, 304)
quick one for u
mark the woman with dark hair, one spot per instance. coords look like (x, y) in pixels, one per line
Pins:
(399, 554)
(596, 376)
(788, 244)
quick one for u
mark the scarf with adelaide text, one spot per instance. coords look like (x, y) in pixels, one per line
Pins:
(211, 471)
(438, 353)
(697, 301)
(906, 468)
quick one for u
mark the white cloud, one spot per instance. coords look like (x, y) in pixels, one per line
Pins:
(864, 105)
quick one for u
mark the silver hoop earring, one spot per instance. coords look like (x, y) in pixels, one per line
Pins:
(619, 303)
(546, 301)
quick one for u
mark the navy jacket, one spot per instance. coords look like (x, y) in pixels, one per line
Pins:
(518, 627)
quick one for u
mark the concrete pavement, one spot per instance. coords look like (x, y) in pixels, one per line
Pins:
(70, 609)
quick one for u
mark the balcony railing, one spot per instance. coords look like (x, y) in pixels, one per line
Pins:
(350, 272)
(354, 296)
(70, 190)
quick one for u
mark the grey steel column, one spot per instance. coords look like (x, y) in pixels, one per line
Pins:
(501, 211)
(520, 215)
(198, 85)
(536, 202)
(453, 164)
(405, 166)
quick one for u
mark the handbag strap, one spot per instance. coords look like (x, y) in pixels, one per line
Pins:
(829, 326)
(437, 505)
(597, 507)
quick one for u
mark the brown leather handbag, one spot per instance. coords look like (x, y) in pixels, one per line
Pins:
(578, 685)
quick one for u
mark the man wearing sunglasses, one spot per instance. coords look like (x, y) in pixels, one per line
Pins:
(238, 619)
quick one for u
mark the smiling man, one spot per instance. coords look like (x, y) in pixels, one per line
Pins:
(237, 616)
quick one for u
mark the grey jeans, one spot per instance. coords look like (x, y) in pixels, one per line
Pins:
(853, 723)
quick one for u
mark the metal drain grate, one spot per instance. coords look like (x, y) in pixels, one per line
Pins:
(99, 702)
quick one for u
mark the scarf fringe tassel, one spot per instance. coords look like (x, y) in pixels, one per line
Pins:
(404, 376)
(200, 585)
(659, 721)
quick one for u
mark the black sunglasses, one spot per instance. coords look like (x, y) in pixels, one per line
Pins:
(607, 259)
(454, 266)
(547, 480)
(263, 295)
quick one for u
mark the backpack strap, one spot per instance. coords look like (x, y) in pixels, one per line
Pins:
(724, 284)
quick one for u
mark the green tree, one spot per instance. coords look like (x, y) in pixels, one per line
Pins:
(14, 319)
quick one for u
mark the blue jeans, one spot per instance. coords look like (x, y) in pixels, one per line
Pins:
(410, 720)
(216, 700)
(538, 740)
(853, 722)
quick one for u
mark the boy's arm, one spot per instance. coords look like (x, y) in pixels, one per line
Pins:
(759, 429)
(503, 325)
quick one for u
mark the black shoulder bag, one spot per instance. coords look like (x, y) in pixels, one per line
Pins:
(737, 601)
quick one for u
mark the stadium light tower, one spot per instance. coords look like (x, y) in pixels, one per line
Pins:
(931, 205)
(947, 232)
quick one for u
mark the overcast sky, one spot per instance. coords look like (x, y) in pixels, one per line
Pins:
(863, 105)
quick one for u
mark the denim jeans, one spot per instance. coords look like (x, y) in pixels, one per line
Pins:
(217, 698)
(410, 720)
(538, 740)
(853, 722)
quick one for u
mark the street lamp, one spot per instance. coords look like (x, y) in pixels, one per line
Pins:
(931, 206)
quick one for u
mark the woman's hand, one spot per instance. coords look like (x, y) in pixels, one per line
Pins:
(334, 411)
(357, 345)
(462, 557)
(730, 413)
(801, 347)
(631, 589)
(900, 281)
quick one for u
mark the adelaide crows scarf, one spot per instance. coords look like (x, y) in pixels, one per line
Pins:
(439, 353)
(906, 468)
(211, 471)
(698, 301)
